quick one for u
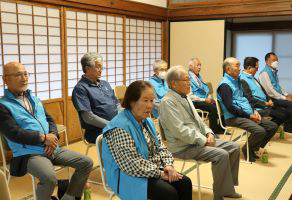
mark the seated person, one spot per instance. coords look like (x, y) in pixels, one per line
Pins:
(94, 99)
(257, 96)
(201, 97)
(188, 137)
(159, 84)
(137, 164)
(269, 79)
(32, 136)
(239, 113)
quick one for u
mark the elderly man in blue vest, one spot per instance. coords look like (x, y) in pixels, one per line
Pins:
(188, 137)
(269, 79)
(93, 98)
(159, 83)
(239, 113)
(201, 97)
(257, 96)
(32, 135)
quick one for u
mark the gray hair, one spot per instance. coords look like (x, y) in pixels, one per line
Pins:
(174, 73)
(228, 62)
(157, 64)
(192, 60)
(89, 59)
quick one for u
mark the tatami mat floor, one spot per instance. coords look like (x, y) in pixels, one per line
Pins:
(257, 180)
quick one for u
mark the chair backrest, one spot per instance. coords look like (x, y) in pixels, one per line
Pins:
(4, 149)
(210, 86)
(4, 189)
(100, 162)
(161, 131)
(219, 111)
(120, 91)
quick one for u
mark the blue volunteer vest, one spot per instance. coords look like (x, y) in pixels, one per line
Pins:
(25, 120)
(256, 90)
(200, 91)
(274, 78)
(161, 88)
(125, 186)
(238, 100)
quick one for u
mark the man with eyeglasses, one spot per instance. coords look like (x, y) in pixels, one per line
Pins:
(93, 98)
(257, 96)
(188, 137)
(239, 113)
(33, 138)
(159, 83)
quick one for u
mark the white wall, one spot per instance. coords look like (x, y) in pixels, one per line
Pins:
(160, 3)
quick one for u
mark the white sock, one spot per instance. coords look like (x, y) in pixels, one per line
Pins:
(68, 197)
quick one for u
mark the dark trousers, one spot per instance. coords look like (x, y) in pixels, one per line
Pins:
(287, 105)
(260, 134)
(159, 189)
(278, 114)
(213, 116)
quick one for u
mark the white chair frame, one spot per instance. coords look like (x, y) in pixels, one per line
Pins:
(232, 129)
(102, 170)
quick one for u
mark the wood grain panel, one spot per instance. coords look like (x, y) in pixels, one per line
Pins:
(231, 9)
(113, 6)
(73, 124)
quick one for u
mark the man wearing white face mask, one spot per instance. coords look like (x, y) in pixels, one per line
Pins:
(159, 84)
(269, 79)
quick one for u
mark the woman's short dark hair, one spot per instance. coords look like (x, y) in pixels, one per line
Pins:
(134, 91)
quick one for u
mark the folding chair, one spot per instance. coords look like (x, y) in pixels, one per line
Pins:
(4, 189)
(102, 170)
(232, 129)
(120, 91)
(195, 166)
(4, 148)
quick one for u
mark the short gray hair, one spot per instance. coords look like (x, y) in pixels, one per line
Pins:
(174, 74)
(89, 59)
(157, 64)
(228, 62)
(192, 60)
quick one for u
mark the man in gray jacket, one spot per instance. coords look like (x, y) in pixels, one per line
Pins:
(189, 137)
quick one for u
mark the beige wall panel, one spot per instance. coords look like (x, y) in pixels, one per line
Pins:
(202, 39)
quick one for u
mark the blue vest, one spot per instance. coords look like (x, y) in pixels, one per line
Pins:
(127, 187)
(25, 120)
(274, 78)
(238, 100)
(256, 90)
(200, 91)
(161, 88)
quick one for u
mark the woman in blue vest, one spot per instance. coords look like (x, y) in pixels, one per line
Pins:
(137, 164)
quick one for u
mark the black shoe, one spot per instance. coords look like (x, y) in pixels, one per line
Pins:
(255, 155)
(288, 129)
(235, 195)
(251, 156)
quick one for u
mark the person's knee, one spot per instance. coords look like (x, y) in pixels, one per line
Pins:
(223, 155)
(87, 163)
(186, 182)
(50, 180)
(259, 131)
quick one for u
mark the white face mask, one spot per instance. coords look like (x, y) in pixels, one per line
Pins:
(275, 65)
(162, 75)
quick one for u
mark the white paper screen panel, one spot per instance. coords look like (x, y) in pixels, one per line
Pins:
(31, 35)
(143, 47)
(90, 32)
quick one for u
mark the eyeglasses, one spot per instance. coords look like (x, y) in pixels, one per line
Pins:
(19, 75)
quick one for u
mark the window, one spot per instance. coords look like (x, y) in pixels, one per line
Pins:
(143, 47)
(259, 43)
(31, 35)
